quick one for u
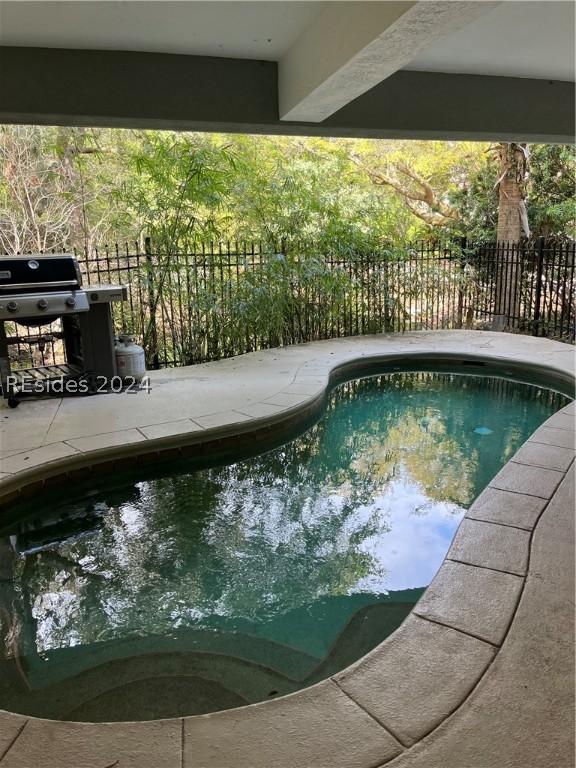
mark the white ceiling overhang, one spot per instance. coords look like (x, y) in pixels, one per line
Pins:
(327, 54)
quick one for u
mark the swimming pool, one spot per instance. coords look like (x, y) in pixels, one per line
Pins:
(200, 590)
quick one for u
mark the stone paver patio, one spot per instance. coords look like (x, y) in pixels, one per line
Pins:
(481, 673)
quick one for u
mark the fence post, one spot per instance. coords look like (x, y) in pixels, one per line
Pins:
(151, 303)
(460, 310)
(538, 293)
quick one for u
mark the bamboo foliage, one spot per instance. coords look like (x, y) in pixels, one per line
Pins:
(212, 300)
(218, 300)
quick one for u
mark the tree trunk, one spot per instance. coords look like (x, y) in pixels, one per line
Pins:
(512, 224)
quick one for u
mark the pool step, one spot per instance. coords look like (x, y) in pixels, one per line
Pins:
(139, 680)
(365, 630)
(191, 683)
(59, 664)
(155, 698)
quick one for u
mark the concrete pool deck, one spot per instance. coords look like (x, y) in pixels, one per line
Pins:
(480, 675)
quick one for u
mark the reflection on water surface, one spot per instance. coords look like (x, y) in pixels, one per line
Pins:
(240, 582)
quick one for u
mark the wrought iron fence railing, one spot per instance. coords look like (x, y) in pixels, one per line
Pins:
(210, 301)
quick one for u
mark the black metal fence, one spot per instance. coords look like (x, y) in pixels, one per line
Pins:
(210, 301)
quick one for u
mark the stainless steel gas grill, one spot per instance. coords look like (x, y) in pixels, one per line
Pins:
(37, 290)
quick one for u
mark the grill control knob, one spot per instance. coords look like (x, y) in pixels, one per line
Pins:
(42, 304)
(70, 301)
(12, 306)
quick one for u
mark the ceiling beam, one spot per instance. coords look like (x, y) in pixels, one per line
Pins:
(352, 46)
(45, 86)
(133, 88)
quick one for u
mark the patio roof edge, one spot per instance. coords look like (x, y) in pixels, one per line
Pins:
(150, 90)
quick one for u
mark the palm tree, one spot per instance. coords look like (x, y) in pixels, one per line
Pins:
(512, 225)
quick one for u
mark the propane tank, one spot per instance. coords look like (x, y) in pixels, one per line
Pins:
(130, 360)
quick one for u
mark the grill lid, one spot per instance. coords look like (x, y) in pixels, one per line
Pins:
(39, 272)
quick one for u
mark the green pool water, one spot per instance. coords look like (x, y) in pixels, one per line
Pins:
(204, 589)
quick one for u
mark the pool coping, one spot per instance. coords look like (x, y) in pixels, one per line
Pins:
(374, 711)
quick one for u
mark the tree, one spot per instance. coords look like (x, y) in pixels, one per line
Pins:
(417, 192)
(512, 191)
(427, 177)
(549, 193)
(75, 186)
(551, 208)
(295, 190)
(55, 187)
(35, 209)
(176, 186)
(512, 225)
